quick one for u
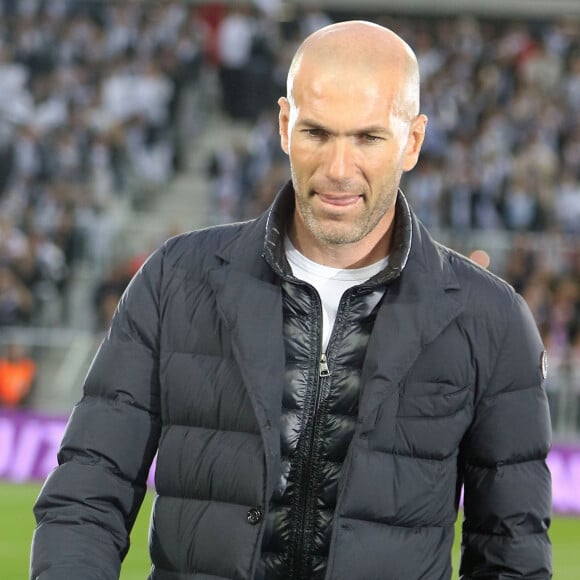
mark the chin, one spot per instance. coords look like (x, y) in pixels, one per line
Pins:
(336, 236)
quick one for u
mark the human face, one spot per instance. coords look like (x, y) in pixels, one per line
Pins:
(348, 148)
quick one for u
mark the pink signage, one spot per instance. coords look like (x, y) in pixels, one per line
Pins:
(564, 464)
(29, 443)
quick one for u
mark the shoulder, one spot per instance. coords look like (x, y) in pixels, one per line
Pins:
(484, 291)
(202, 248)
(213, 237)
(492, 312)
(491, 303)
(479, 289)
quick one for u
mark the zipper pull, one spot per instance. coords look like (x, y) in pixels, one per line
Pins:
(323, 370)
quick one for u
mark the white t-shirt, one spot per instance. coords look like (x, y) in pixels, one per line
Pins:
(330, 283)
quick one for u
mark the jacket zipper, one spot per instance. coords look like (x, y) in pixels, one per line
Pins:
(306, 497)
(298, 569)
(323, 370)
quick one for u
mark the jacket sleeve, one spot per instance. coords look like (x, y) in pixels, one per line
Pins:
(507, 484)
(89, 503)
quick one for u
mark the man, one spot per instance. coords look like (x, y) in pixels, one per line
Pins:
(17, 373)
(320, 382)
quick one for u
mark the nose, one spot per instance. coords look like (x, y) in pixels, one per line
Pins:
(341, 160)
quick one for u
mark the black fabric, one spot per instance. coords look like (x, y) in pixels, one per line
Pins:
(319, 419)
(193, 367)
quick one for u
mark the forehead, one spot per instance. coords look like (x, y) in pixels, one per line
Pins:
(344, 95)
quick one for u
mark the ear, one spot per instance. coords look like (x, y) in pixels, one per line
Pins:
(284, 122)
(414, 142)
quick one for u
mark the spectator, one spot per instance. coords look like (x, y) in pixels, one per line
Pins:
(17, 374)
(109, 292)
(16, 301)
(312, 18)
(235, 38)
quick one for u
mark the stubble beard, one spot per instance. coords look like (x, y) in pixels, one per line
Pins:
(342, 232)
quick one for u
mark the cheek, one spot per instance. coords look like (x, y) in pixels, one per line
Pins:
(303, 157)
(377, 169)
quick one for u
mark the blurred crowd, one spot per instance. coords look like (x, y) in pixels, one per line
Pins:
(89, 116)
(548, 277)
(91, 111)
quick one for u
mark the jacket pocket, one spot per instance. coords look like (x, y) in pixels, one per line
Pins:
(432, 419)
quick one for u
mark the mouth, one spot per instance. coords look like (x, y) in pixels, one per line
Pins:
(338, 199)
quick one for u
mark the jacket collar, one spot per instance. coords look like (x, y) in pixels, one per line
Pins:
(282, 210)
(413, 249)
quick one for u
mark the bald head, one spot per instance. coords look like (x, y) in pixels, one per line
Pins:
(359, 48)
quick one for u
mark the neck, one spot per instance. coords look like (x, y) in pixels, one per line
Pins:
(372, 248)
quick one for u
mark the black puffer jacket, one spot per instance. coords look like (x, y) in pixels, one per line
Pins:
(450, 393)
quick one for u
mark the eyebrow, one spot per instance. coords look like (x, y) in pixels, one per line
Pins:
(369, 130)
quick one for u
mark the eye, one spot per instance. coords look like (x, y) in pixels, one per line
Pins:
(370, 138)
(315, 133)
